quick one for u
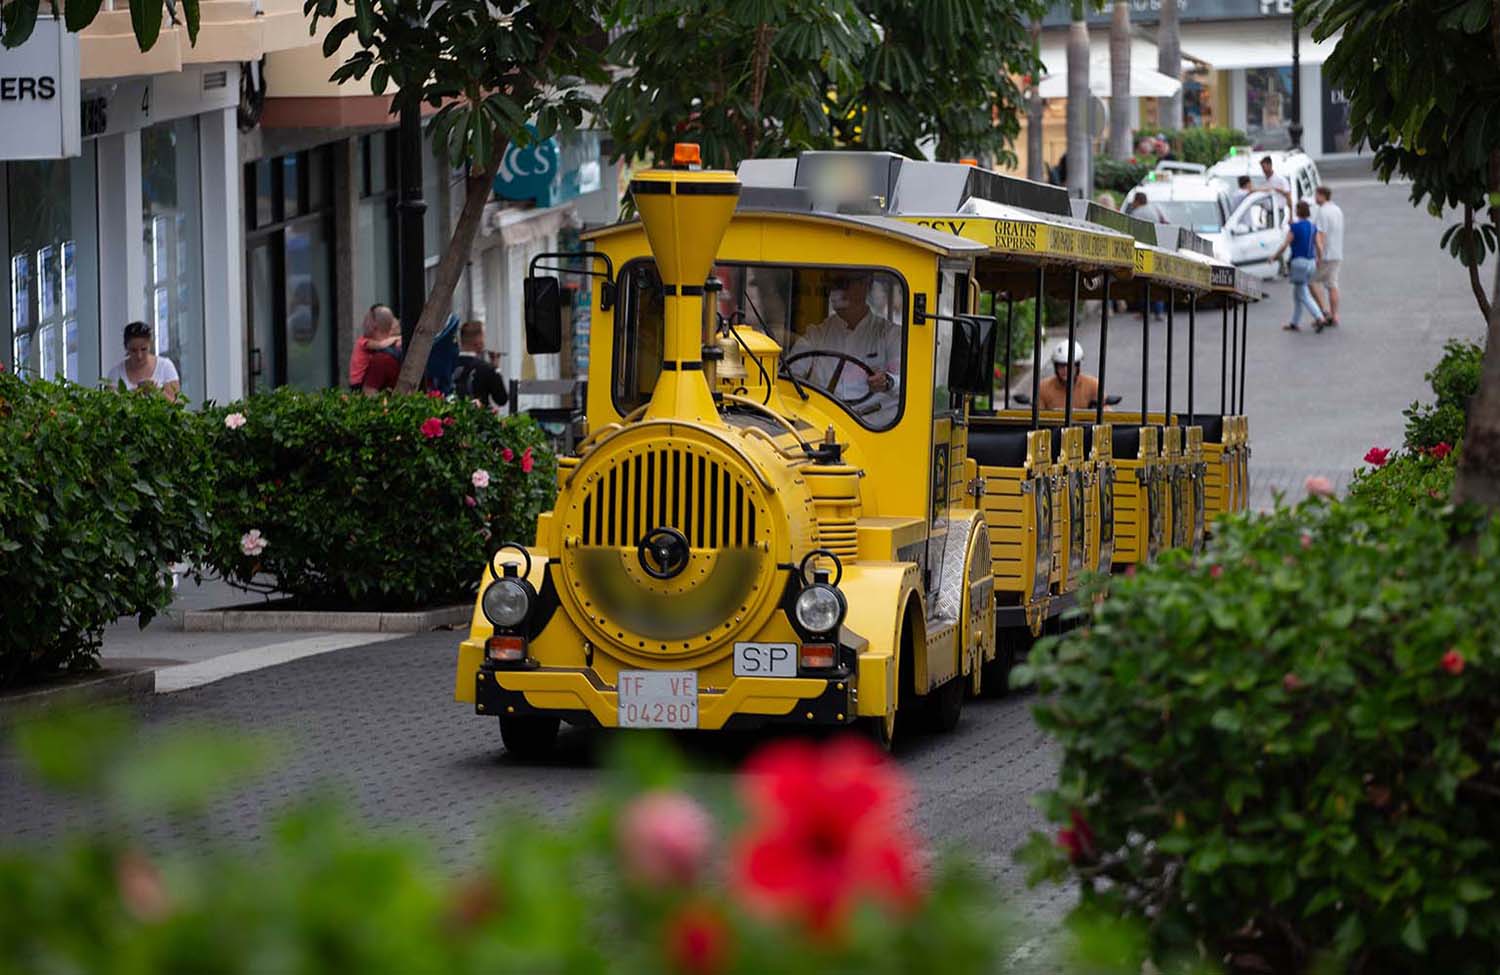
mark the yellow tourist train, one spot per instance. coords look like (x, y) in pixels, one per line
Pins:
(785, 510)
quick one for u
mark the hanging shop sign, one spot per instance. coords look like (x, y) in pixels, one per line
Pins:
(550, 172)
(39, 117)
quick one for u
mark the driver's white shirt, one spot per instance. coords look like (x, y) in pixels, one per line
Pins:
(875, 341)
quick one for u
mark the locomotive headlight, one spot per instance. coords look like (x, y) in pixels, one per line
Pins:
(507, 602)
(819, 608)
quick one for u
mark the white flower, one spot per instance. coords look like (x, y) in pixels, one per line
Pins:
(480, 478)
(234, 421)
(252, 542)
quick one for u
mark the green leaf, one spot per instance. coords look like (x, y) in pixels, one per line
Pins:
(145, 20)
(78, 14)
(1411, 935)
(1474, 891)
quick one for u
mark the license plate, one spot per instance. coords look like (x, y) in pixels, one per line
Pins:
(658, 699)
(765, 660)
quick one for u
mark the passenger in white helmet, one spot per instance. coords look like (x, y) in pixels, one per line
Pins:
(1066, 367)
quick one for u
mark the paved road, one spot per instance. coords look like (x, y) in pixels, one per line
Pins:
(378, 722)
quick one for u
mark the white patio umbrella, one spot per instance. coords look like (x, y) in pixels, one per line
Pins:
(1144, 83)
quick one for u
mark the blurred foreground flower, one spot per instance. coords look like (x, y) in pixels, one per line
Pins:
(664, 839)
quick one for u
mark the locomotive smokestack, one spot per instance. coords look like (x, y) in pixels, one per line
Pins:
(685, 213)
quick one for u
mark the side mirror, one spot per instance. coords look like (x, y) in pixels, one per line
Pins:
(962, 354)
(544, 314)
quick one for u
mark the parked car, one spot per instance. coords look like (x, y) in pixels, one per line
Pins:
(1296, 165)
(1246, 235)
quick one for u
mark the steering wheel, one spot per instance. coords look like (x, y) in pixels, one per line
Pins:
(844, 359)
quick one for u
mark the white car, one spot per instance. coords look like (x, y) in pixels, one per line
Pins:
(1294, 164)
(1246, 234)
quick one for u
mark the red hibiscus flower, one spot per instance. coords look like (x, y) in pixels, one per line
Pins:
(1453, 662)
(1215, 572)
(1441, 450)
(1078, 840)
(1376, 456)
(448, 421)
(527, 462)
(696, 941)
(432, 428)
(434, 394)
(830, 831)
(1291, 682)
(507, 455)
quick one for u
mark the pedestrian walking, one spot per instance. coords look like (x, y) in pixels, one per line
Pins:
(1306, 243)
(474, 377)
(142, 368)
(1330, 224)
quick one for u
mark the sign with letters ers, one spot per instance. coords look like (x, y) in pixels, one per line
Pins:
(39, 113)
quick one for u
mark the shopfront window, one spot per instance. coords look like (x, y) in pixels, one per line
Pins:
(172, 225)
(52, 268)
(842, 329)
(290, 277)
(1268, 106)
(376, 254)
(1337, 136)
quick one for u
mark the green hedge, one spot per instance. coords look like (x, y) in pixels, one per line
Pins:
(99, 492)
(1283, 754)
(1121, 176)
(1198, 144)
(370, 502)
(1454, 380)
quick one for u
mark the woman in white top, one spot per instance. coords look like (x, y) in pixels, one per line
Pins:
(143, 369)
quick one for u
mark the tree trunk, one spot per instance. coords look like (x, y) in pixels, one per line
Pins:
(1035, 150)
(1478, 480)
(1080, 151)
(1119, 82)
(477, 190)
(1169, 62)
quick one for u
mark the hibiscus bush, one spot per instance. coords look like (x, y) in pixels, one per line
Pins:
(99, 493)
(811, 865)
(1455, 380)
(1283, 755)
(1407, 478)
(359, 502)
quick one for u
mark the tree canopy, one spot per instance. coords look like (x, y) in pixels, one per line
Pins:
(18, 18)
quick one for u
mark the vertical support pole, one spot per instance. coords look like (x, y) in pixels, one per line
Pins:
(1010, 321)
(1145, 348)
(1224, 359)
(1072, 365)
(1036, 348)
(1103, 350)
(411, 209)
(1171, 322)
(1244, 355)
(1234, 360)
(1192, 350)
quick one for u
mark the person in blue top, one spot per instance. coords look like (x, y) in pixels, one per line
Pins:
(1306, 242)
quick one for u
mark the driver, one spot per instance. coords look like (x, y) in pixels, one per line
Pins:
(859, 333)
(1052, 392)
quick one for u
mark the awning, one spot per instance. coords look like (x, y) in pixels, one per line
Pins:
(1251, 44)
(1013, 232)
(1144, 83)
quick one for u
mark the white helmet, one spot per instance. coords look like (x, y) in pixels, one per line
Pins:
(1060, 353)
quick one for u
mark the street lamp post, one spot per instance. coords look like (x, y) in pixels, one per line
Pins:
(1295, 129)
(412, 280)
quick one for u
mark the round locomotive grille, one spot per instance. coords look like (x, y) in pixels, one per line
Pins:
(667, 547)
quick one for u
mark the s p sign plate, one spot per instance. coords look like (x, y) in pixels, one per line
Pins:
(765, 660)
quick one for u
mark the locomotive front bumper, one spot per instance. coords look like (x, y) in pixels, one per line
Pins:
(582, 698)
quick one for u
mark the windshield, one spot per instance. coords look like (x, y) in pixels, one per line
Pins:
(1202, 216)
(842, 331)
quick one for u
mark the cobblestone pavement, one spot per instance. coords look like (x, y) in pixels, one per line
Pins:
(378, 723)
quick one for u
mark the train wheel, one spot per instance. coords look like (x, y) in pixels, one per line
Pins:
(1009, 646)
(529, 737)
(881, 729)
(945, 705)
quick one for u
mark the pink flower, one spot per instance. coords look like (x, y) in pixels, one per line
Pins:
(1319, 487)
(234, 421)
(434, 394)
(448, 421)
(253, 543)
(142, 890)
(664, 839)
(1441, 450)
(469, 500)
(1291, 682)
(480, 478)
(432, 428)
(1215, 572)
(526, 461)
(507, 455)
(1306, 540)
(1376, 456)
(1453, 662)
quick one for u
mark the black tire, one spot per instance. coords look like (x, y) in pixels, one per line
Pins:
(881, 730)
(945, 705)
(529, 737)
(1010, 647)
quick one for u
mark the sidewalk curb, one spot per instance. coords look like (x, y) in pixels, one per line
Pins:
(245, 619)
(91, 688)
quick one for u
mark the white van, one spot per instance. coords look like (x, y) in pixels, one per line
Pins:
(1296, 165)
(1246, 234)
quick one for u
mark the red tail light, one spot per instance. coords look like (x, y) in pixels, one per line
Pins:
(506, 649)
(818, 656)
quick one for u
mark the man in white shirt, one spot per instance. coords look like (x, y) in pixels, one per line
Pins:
(1330, 223)
(1275, 182)
(855, 331)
